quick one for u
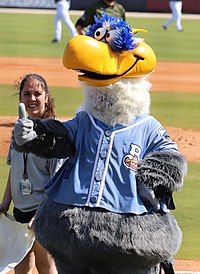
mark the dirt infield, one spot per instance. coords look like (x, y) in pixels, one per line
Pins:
(168, 76)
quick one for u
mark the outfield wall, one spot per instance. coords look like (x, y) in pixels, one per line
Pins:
(28, 3)
(189, 6)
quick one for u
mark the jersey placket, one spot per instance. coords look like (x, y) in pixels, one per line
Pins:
(100, 169)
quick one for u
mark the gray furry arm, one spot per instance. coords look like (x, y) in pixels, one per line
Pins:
(162, 171)
(52, 140)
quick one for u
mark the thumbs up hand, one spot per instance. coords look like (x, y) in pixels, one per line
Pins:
(22, 111)
(23, 128)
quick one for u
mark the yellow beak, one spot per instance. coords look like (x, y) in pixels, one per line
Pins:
(134, 31)
(101, 66)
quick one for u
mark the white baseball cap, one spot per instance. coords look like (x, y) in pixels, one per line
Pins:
(15, 242)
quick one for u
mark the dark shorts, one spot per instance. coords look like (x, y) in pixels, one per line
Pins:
(23, 217)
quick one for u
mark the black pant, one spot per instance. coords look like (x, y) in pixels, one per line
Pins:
(23, 217)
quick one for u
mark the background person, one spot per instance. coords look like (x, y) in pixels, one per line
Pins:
(111, 8)
(29, 173)
(176, 8)
(62, 13)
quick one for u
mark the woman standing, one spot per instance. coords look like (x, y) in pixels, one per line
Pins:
(29, 173)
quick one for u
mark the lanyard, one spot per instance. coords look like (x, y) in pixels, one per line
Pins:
(25, 175)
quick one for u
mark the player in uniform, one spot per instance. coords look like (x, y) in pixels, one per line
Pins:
(62, 13)
(111, 8)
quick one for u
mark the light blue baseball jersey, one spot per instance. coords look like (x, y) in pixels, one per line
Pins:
(102, 173)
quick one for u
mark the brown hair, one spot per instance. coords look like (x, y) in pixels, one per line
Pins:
(50, 109)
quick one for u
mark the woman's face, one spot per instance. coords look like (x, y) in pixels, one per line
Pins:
(34, 98)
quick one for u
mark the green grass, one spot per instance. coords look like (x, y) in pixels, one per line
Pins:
(68, 100)
(187, 214)
(170, 108)
(178, 109)
(30, 35)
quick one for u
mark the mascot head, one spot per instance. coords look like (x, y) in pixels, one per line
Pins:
(114, 64)
(108, 52)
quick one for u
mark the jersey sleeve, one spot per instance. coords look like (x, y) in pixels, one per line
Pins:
(159, 139)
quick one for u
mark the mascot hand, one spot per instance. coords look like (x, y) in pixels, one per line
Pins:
(148, 196)
(23, 128)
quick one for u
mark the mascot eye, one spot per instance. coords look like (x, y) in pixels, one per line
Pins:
(99, 33)
(110, 36)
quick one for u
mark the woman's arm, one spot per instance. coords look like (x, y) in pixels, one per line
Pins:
(7, 197)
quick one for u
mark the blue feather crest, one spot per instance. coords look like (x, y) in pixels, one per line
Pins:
(114, 31)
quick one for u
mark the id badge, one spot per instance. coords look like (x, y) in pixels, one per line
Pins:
(25, 186)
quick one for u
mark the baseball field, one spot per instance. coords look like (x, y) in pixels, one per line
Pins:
(25, 47)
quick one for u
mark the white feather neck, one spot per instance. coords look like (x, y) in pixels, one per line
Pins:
(118, 103)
